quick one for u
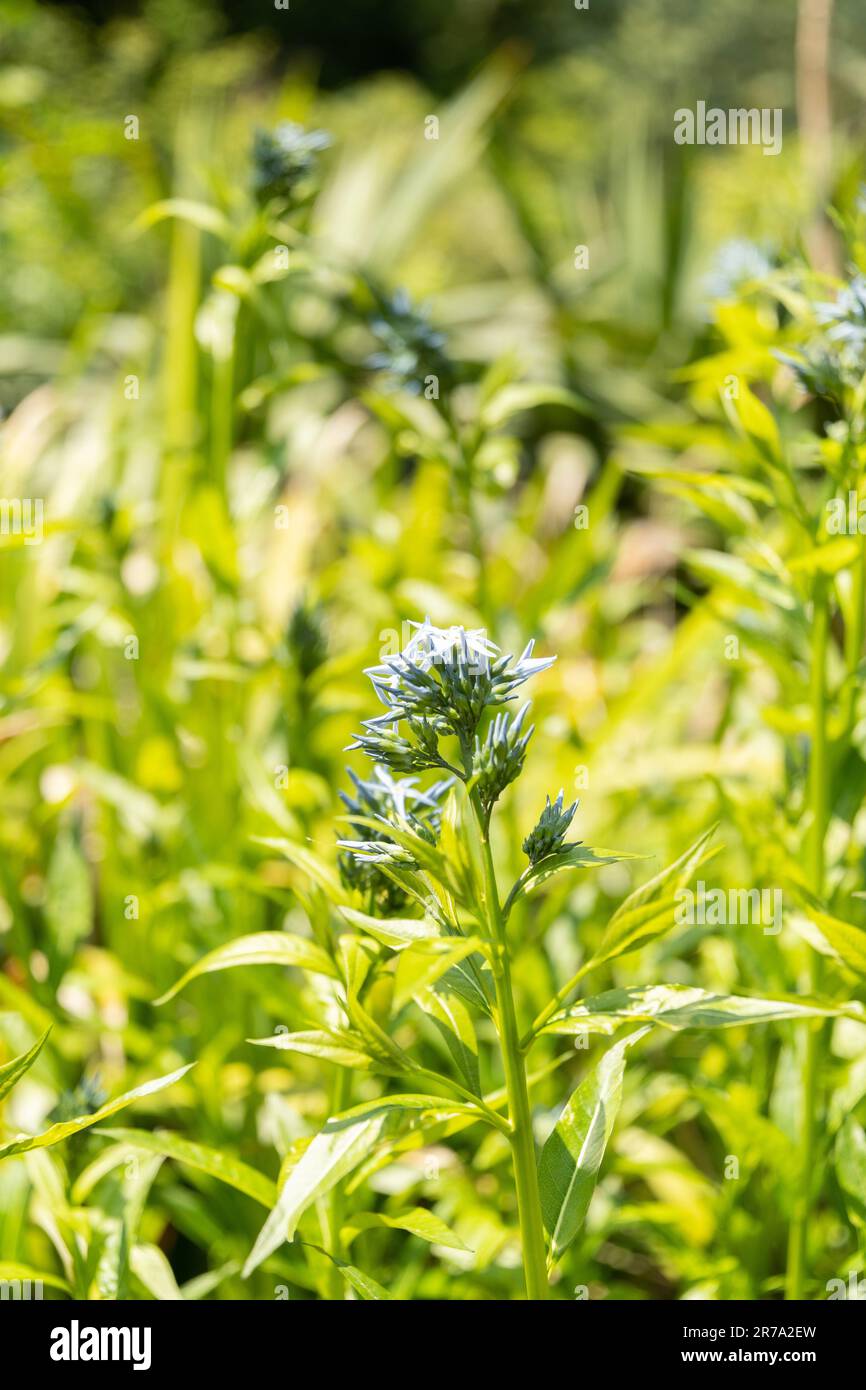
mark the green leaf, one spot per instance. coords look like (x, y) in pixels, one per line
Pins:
(342, 1047)
(829, 558)
(203, 1284)
(336, 1150)
(472, 981)
(850, 1158)
(393, 220)
(396, 932)
(749, 583)
(428, 857)
(676, 1007)
(751, 419)
(364, 1286)
(630, 930)
(65, 1128)
(312, 865)
(676, 874)
(201, 215)
(358, 958)
(426, 961)
(262, 948)
(152, 1268)
(571, 857)
(11, 1072)
(847, 941)
(215, 1162)
(697, 478)
(454, 1022)
(461, 848)
(419, 1222)
(642, 916)
(527, 395)
(10, 1270)
(571, 1158)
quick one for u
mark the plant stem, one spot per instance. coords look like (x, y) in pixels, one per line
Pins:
(854, 636)
(819, 808)
(521, 1137)
(335, 1289)
(484, 1110)
(181, 353)
(550, 1009)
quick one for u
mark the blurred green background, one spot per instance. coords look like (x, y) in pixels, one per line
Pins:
(230, 486)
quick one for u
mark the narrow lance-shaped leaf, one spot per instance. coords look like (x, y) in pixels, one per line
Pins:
(262, 948)
(570, 857)
(418, 1222)
(363, 1284)
(344, 1048)
(10, 1269)
(847, 941)
(454, 1022)
(11, 1072)
(674, 875)
(512, 399)
(428, 857)
(201, 215)
(850, 1156)
(338, 1148)
(630, 930)
(426, 961)
(312, 865)
(676, 1007)
(151, 1267)
(395, 932)
(643, 915)
(215, 1162)
(65, 1128)
(571, 1158)
(439, 1126)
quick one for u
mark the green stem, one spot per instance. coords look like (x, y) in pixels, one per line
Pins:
(854, 635)
(222, 418)
(520, 1116)
(335, 1289)
(819, 809)
(181, 353)
(484, 1110)
(550, 1009)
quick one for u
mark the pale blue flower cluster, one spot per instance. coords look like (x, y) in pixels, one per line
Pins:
(439, 687)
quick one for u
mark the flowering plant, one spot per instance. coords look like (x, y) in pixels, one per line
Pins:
(417, 924)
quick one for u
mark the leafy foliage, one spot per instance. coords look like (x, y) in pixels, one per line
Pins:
(308, 394)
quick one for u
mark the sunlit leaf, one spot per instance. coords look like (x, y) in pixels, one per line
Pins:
(343, 1048)
(454, 1022)
(217, 1163)
(263, 948)
(396, 932)
(11, 1072)
(338, 1148)
(418, 1222)
(676, 1007)
(63, 1129)
(571, 1158)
